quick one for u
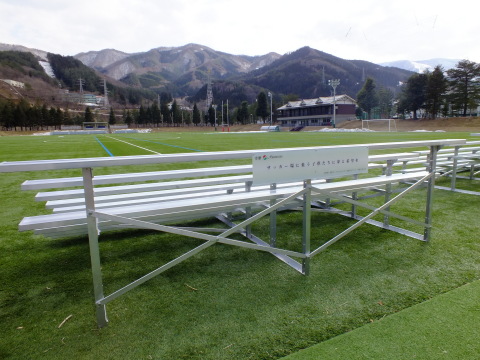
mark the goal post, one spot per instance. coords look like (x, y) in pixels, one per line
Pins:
(380, 125)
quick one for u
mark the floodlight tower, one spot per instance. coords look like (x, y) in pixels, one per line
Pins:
(334, 83)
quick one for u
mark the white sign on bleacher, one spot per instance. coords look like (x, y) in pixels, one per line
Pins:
(299, 165)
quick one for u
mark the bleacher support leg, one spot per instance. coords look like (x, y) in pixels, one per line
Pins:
(307, 222)
(229, 214)
(430, 188)
(355, 198)
(453, 181)
(273, 220)
(248, 210)
(388, 191)
(101, 311)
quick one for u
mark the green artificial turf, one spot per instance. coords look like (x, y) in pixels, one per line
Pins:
(225, 302)
(445, 327)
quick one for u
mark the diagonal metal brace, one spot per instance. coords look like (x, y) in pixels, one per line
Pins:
(369, 216)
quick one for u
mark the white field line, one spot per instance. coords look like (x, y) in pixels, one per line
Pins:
(126, 142)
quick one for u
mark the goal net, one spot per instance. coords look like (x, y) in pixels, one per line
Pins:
(380, 125)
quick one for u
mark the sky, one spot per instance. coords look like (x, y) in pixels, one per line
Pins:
(372, 30)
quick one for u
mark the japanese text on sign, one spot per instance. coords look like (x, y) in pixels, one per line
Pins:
(299, 165)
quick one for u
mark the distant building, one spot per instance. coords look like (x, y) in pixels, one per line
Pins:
(84, 98)
(316, 112)
(90, 98)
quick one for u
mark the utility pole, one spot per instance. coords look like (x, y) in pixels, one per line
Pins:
(209, 92)
(271, 113)
(105, 92)
(81, 83)
(334, 83)
(215, 120)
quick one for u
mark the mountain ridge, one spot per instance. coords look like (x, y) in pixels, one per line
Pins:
(172, 61)
(185, 71)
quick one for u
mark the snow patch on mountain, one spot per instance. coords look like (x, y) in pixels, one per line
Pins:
(420, 66)
(47, 68)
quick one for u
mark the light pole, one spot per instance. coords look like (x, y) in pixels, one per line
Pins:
(271, 114)
(215, 120)
(334, 83)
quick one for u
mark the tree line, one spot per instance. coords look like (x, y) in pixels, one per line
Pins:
(171, 114)
(431, 94)
(24, 116)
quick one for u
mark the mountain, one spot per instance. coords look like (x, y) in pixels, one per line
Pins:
(101, 59)
(306, 72)
(422, 65)
(185, 70)
(187, 65)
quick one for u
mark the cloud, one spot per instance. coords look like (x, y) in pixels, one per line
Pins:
(373, 30)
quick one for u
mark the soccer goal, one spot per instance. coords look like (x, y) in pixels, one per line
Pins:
(380, 125)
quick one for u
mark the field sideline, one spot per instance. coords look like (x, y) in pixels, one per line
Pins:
(224, 303)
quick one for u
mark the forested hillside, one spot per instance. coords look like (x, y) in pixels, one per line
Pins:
(306, 72)
(70, 71)
(24, 62)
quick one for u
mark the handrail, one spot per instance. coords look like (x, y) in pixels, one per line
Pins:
(58, 164)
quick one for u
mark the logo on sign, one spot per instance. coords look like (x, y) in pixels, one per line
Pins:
(267, 157)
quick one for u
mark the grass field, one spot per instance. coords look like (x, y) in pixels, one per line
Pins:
(246, 304)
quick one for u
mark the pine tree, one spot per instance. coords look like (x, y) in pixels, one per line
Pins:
(156, 114)
(88, 115)
(435, 91)
(176, 113)
(142, 116)
(165, 111)
(111, 118)
(465, 84)
(242, 114)
(58, 118)
(262, 106)
(45, 116)
(7, 115)
(367, 97)
(128, 118)
(197, 117)
(211, 115)
(413, 94)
